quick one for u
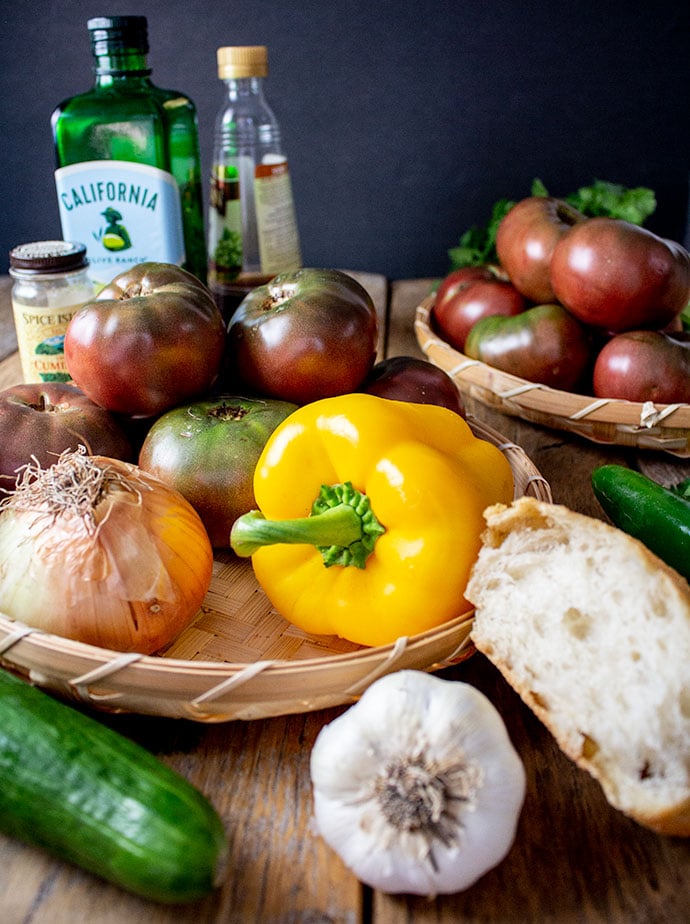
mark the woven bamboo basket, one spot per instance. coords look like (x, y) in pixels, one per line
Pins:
(240, 659)
(602, 420)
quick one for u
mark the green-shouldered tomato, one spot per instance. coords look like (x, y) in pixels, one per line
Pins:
(208, 451)
(544, 344)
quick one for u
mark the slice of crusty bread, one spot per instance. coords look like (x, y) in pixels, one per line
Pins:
(593, 631)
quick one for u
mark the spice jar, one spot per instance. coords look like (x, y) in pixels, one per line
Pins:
(51, 283)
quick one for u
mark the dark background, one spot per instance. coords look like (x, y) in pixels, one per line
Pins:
(403, 121)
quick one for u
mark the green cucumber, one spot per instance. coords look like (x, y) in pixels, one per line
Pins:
(645, 509)
(91, 796)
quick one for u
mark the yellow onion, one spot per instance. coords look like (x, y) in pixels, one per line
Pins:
(97, 550)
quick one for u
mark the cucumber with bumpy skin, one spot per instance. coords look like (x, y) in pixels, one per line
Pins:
(659, 517)
(73, 786)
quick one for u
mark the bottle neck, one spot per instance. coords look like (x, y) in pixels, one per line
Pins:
(120, 64)
(244, 86)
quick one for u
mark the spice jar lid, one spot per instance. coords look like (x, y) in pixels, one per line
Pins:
(48, 256)
(242, 61)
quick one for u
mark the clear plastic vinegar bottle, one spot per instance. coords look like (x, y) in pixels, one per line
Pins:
(128, 172)
(252, 228)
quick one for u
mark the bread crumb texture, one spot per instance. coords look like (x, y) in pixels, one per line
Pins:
(593, 631)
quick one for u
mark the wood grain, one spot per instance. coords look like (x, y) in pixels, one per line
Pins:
(574, 859)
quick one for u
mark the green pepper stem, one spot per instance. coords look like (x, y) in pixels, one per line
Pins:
(342, 526)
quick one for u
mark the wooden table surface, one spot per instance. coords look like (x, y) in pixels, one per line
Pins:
(574, 859)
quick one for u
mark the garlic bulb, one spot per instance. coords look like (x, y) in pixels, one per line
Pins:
(417, 787)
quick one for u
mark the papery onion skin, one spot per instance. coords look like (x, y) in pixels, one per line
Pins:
(131, 584)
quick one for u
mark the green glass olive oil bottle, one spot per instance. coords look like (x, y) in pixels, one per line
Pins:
(128, 174)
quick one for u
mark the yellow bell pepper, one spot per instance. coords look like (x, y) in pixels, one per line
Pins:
(370, 516)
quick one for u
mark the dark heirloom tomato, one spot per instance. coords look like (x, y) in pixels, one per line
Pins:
(525, 241)
(644, 365)
(406, 378)
(305, 335)
(544, 344)
(208, 452)
(471, 293)
(617, 276)
(42, 420)
(150, 340)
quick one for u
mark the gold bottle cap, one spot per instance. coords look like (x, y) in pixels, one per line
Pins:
(242, 61)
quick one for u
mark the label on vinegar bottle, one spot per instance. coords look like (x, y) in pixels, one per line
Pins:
(124, 213)
(279, 245)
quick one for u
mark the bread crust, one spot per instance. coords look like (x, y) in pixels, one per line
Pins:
(528, 541)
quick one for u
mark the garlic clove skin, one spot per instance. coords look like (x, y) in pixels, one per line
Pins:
(417, 786)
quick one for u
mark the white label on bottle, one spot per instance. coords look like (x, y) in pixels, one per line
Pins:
(275, 215)
(124, 213)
